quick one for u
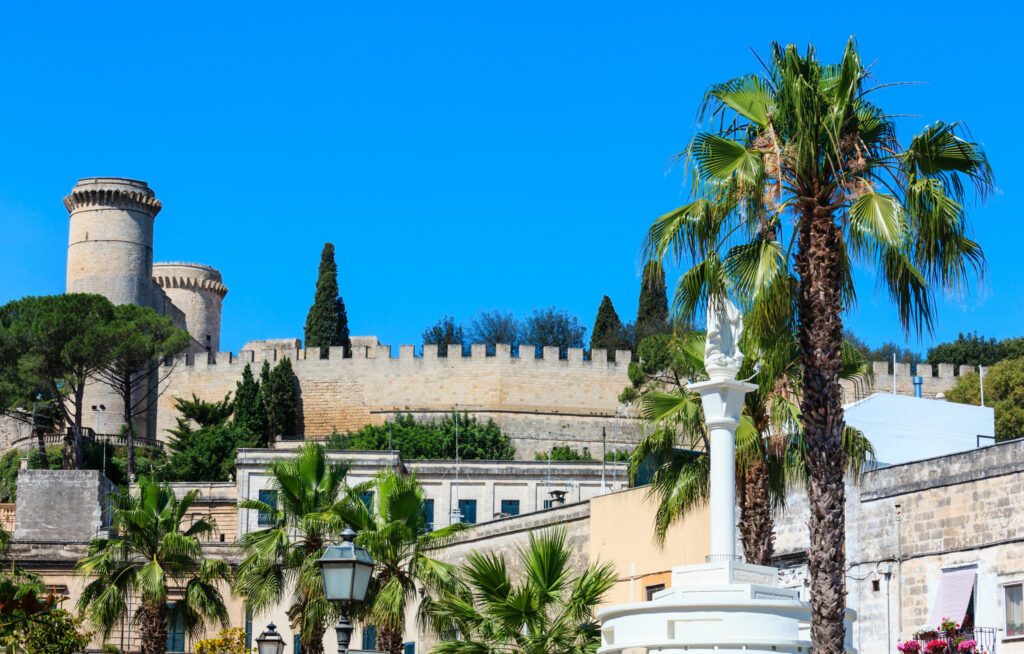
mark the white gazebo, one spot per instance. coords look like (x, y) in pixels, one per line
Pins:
(723, 606)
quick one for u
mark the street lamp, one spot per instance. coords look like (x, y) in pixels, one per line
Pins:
(346, 571)
(270, 642)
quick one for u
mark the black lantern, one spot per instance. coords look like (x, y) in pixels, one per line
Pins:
(270, 642)
(346, 570)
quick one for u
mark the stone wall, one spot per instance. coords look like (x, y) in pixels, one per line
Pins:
(61, 505)
(914, 521)
(540, 398)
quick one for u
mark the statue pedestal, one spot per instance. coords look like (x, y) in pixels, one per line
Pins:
(725, 607)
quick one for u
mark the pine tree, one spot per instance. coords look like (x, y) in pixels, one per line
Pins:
(280, 397)
(652, 311)
(250, 413)
(327, 321)
(608, 332)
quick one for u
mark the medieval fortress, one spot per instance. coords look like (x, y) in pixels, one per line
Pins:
(537, 401)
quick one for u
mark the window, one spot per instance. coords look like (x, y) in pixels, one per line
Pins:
(547, 504)
(955, 597)
(369, 637)
(428, 514)
(410, 648)
(510, 507)
(1014, 595)
(649, 591)
(267, 497)
(366, 497)
(297, 644)
(468, 510)
(175, 630)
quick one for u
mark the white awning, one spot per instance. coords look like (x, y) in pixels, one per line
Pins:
(955, 590)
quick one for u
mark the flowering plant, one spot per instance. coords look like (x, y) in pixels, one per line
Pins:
(969, 646)
(949, 626)
(909, 646)
(937, 646)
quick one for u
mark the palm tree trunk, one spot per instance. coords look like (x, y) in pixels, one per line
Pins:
(316, 640)
(390, 641)
(153, 628)
(820, 332)
(757, 525)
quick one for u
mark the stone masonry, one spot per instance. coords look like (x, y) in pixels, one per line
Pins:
(61, 505)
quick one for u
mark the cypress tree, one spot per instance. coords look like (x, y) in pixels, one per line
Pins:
(250, 413)
(608, 332)
(280, 398)
(327, 321)
(652, 311)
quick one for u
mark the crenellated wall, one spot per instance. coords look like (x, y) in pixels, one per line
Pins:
(538, 401)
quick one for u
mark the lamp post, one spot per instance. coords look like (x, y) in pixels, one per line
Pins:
(346, 571)
(270, 642)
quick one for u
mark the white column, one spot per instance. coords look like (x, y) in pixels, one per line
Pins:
(722, 400)
(723, 490)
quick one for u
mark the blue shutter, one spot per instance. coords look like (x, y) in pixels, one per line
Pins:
(410, 648)
(510, 507)
(468, 510)
(175, 631)
(367, 499)
(297, 644)
(428, 514)
(248, 629)
(267, 497)
(369, 637)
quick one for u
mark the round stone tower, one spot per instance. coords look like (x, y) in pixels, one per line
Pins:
(110, 247)
(198, 291)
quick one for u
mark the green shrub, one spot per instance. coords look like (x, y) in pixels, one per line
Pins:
(431, 439)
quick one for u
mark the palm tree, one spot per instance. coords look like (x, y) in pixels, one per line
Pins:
(549, 611)
(393, 529)
(281, 560)
(152, 559)
(768, 441)
(801, 176)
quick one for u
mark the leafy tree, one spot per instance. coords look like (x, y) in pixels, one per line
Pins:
(22, 601)
(249, 410)
(493, 327)
(63, 342)
(1004, 392)
(973, 350)
(203, 413)
(552, 327)
(394, 532)
(280, 398)
(608, 333)
(548, 609)
(652, 311)
(151, 554)
(280, 561)
(54, 632)
(801, 175)
(230, 641)
(327, 321)
(141, 338)
(564, 453)
(443, 333)
(431, 439)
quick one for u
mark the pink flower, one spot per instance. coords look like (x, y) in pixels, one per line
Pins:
(968, 646)
(909, 646)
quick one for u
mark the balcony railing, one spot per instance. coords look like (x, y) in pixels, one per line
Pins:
(986, 637)
(91, 436)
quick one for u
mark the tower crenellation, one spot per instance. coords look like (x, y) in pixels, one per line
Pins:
(198, 291)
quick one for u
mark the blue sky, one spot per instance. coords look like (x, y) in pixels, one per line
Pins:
(461, 156)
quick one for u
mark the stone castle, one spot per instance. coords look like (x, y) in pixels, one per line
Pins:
(538, 401)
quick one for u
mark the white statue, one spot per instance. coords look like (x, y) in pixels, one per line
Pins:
(722, 356)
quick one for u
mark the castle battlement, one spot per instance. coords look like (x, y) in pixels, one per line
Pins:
(385, 354)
